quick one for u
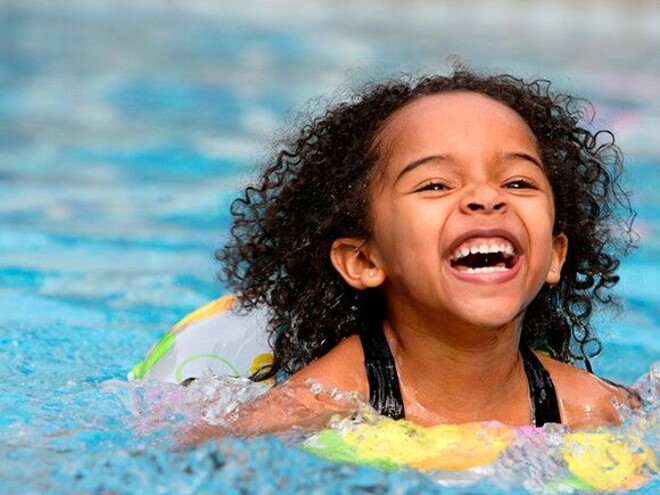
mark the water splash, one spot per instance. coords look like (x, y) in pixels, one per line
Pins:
(541, 460)
(134, 430)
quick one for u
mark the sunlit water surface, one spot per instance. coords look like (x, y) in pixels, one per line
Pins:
(125, 130)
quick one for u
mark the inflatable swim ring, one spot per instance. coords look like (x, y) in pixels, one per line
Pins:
(392, 445)
(214, 340)
(595, 460)
(211, 339)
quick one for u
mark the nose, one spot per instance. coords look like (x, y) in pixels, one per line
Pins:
(483, 198)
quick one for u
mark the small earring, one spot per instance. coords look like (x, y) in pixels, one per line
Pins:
(372, 274)
(553, 270)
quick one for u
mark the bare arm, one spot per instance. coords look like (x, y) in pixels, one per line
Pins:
(307, 401)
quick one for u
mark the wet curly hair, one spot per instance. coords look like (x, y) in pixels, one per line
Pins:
(315, 189)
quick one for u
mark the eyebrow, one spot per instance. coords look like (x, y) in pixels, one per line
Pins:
(517, 155)
(420, 161)
(521, 155)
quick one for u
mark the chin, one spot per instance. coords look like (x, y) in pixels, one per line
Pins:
(492, 314)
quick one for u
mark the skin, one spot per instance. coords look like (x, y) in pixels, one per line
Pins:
(456, 168)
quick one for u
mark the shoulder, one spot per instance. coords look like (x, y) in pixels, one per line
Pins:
(295, 403)
(341, 368)
(584, 399)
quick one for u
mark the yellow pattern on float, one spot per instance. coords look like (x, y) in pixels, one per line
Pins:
(595, 460)
(405, 443)
(606, 462)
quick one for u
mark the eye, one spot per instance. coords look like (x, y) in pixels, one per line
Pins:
(433, 186)
(520, 184)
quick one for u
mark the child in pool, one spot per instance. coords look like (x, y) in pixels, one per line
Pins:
(439, 246)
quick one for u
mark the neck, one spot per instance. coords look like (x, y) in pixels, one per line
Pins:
(460, 371)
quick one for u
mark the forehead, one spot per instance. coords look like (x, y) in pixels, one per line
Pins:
(454, 122)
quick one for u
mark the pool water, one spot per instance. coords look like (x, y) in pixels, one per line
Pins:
(126, 128)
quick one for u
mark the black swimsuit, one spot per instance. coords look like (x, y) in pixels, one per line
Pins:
(385, 393)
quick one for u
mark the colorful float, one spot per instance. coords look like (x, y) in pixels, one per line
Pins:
(213, 340)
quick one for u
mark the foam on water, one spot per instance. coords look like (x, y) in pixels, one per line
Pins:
(134, 431)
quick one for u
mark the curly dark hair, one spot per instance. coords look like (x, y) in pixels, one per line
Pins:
(315, 190)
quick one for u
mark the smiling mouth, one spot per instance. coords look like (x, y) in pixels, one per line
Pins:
(484, 256)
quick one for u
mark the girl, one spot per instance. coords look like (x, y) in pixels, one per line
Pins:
(438, 246)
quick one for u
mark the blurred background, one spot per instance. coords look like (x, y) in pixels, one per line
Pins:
(126, 128)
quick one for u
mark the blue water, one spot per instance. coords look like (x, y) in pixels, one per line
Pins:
(125, 130)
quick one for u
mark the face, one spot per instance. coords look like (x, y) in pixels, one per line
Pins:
(462, 213)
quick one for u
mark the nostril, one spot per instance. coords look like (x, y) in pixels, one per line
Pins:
(479, 206)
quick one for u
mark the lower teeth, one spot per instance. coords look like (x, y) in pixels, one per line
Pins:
(487, 269)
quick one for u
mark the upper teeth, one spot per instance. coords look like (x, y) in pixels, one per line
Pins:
(463, 251)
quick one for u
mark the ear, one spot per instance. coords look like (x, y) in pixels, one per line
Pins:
(351, 257)
(559, 251)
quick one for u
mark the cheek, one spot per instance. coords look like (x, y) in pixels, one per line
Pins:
(541, 215)
(407, 237)
(544, 232)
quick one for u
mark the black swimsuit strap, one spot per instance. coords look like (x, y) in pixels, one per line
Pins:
(385, 393)
(541, 389)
